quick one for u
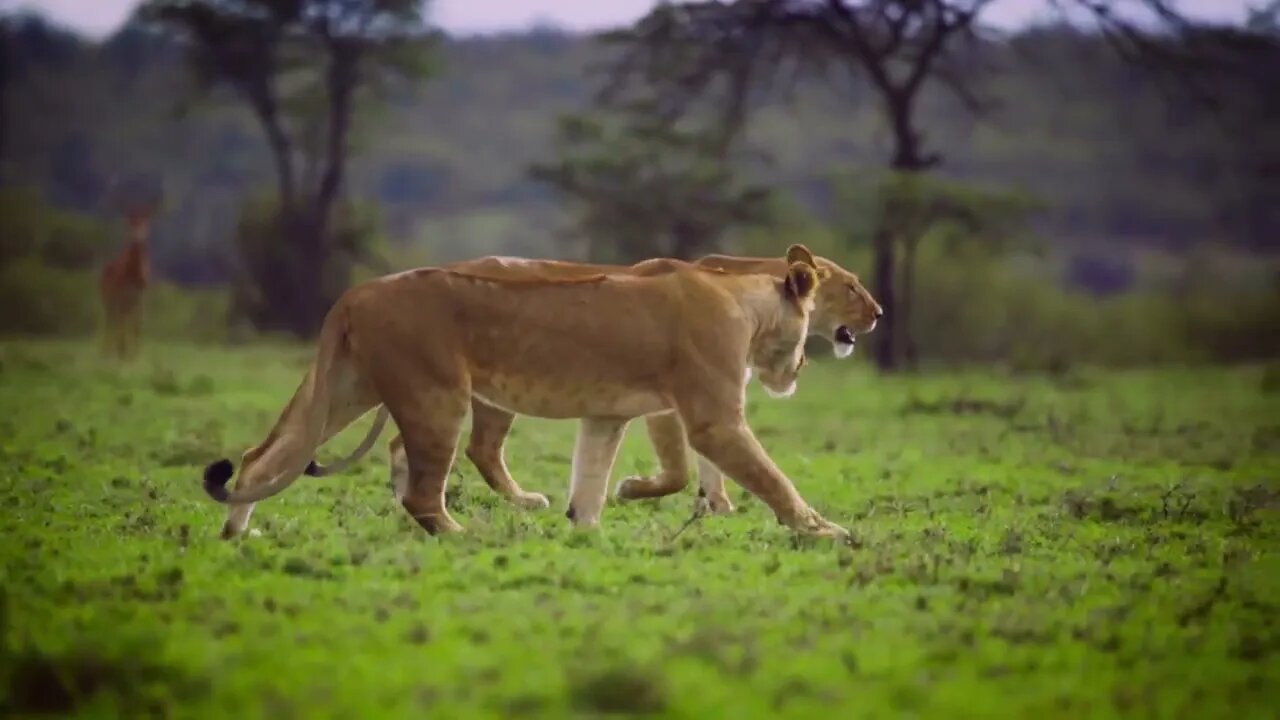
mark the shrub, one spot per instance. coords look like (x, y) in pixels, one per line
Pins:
(281, 286)
(971, 307)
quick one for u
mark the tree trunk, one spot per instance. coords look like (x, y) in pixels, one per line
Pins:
(907, 158)
(263, 102)
(284, 165)
(883, 279)
(907, 297)
(316, 285)
(285, 282)
(341, 81)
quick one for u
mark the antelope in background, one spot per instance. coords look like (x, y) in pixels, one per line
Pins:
(123, 282)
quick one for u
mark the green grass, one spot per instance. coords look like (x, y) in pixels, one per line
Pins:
(1104, 544)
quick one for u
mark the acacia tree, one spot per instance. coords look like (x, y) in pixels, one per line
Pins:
(706, 54)
(646, 189)
(920, 206)
(689, 53)
(300, 67)
(653, 171)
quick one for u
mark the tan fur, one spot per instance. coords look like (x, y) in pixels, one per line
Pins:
(430, 343)
(121, 286)
(841, 300)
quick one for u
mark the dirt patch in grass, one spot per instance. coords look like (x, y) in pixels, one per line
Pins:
(620, 689)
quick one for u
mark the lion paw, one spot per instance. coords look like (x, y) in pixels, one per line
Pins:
(719, 504)
(635, 487)
(446, 525)
(811, 523)
(831, 530)
(531, 501)
(437, 523)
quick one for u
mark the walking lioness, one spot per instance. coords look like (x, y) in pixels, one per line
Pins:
(605, 348)
(843, 309)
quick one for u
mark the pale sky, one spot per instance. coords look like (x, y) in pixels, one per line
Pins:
(99, 17)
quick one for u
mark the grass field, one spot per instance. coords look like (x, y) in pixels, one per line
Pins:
(1100, 544)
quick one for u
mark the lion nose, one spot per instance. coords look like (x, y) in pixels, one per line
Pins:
(879, 313)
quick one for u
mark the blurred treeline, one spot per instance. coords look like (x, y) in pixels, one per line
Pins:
(1147, 231)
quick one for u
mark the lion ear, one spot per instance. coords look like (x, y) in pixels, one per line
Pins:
(801, 281)
(800, 253)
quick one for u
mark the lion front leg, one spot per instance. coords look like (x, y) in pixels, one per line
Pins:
(593, 455)
(732, 447)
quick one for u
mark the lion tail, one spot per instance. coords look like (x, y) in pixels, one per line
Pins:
(315, 469)
(298, 432)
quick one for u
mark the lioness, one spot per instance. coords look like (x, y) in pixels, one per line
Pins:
(843, 310)
(606, 349)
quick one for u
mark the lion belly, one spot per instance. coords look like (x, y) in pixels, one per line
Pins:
(563, 398)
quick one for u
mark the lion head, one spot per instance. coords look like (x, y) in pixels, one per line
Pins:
(843, 308)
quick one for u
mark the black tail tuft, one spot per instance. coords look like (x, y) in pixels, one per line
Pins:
(312, 470)
(216, 477)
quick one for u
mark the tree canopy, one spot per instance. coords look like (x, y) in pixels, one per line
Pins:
(1113, 161)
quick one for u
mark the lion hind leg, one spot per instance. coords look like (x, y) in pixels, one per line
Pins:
(399, 467)
(489, 428)
(430, 424)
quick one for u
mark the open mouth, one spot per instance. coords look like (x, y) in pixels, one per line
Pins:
(843, 341)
